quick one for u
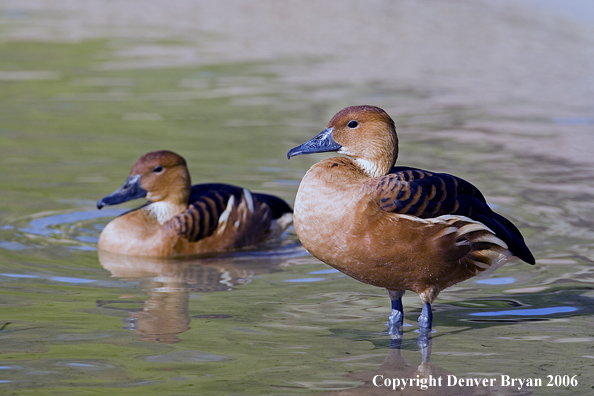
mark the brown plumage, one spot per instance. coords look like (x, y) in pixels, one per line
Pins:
(395, 227)
(181, 219)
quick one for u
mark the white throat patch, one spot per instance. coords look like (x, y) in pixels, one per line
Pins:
(369, 167)
(162, 211)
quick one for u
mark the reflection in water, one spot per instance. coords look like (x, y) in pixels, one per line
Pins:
(168, 283)
(396, 374)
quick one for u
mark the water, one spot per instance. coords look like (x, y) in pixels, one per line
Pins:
(494, 92)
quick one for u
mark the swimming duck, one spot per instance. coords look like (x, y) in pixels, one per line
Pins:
(182, 220)
(398, 228)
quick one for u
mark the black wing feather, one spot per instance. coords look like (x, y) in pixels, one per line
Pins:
(278, 207)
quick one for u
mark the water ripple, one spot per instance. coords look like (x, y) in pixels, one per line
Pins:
(527, 312)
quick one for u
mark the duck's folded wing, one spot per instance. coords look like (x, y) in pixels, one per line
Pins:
(211, 203)
(426, 194)
(278, 207)
(208, 203)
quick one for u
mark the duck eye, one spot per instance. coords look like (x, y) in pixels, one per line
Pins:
(158, 169)
(353, 124)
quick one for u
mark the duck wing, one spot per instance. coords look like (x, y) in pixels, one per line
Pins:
(424, 194)
(210, 201)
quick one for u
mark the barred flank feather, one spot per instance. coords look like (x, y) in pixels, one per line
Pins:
(213, 205)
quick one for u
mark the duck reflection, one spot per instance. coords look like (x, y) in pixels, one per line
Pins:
(396, 374)
(168, 283)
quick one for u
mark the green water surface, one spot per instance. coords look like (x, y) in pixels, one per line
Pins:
(274, 323)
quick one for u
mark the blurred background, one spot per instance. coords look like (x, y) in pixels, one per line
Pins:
(500, 93)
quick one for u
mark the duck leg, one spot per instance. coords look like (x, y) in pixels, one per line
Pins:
(426, 319)
(424, 339)
(396, 318)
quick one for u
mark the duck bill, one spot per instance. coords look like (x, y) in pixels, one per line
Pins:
(128, 191)
(321, 143)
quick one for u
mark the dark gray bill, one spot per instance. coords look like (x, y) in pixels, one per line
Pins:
(321, 143)
(129, 190)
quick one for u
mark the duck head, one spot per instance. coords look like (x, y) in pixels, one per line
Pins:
(365, 133)
(159, 176)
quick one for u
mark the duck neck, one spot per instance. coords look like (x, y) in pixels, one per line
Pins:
(378, 158)
(374, 168)
(165, 208)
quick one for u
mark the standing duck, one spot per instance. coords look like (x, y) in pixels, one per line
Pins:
(398, 228)
(181, 219)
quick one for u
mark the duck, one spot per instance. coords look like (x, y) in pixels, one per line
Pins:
(183, 220)
(395, 227)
